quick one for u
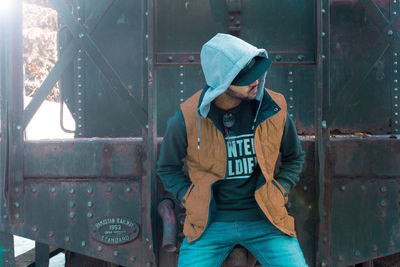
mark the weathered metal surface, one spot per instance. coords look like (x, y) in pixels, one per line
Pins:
(365, 220)
(7, 249)
(84, 158)
(76, 207)
(83, 35)
(42, 252)
(365, 157)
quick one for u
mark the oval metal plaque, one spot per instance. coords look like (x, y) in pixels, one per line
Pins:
(115, 230)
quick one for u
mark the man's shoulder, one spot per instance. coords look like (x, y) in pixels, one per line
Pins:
(278, 97)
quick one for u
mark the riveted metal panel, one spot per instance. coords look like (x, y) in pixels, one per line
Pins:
(63, 214)
(365, 219)
(361, 66)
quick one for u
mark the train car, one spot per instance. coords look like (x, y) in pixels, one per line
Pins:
(123, 69)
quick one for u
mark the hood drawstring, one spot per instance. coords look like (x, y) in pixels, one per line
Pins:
(198, 134)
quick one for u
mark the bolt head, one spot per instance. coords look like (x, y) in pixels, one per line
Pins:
(89, 214)
(128, 189)
(278, 58)
(132, 258)
(99, 248)
(116, 253)
(383, 189)
(90, 204)
(170, 58)
(35, 228)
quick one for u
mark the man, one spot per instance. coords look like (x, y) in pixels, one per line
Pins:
(230, 134)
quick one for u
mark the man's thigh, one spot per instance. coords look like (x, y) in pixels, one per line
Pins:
(270, 246)
(211, 249)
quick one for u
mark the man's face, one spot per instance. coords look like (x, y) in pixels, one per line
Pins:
(247, 92)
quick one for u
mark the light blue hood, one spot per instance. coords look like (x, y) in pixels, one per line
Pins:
(222, 58)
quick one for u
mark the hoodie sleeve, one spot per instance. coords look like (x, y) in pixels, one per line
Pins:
(292, 157)
(172, 152)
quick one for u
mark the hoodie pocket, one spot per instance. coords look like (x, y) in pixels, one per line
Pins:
(281, 190)
(185, 197)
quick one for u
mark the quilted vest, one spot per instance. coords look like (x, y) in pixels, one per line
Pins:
(207, 164)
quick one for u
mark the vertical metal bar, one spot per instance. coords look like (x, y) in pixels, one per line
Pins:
(149, 199)
(4, 70)
(41, 255)
(395, 56)
(14, 91)
(322, 133)
(6, 249)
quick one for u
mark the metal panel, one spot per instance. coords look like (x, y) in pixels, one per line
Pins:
(78, 206)
(365, 220)
(121, 157)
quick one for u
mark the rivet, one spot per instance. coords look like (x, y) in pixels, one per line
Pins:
(357, 253)
(16, 190)
(383, 189)
(146, 58)
(290, 106)
(394, 13)
(67, 239)
(17, 216)
(374, 248)
(396, 97)
(79, 76)
(396, 105)
(5, 216)
(79, 59)
(79, 101)
(291, 98)
(170, 58)
(291, 115)
(148, 264)
(340, 258)
(395, 54)
(363, 187)
(383, 214)
(79, 117)
(300, 57)
(395, 81)
(396, 122)
(147, 239)
(83, 243)
(89, 214)
(79, 125)
(396, 89)
(33, 189)
(390, 32)
(81, 35)
(191, 58)
(395, 71)
(181, 91)
(109, 188)
(53, 189)
(323, 56)
(90, 190)
(278, 58)
(325, 239)
(396, 113)
(99, 248)
(181, 99)
(305, 188)
(132, 258)
(343, 188)
(383, 203)
(90, 204)
(116, 253)
(323, 264)
(323, 10)
(147, 36)
(181, 83)
(128, 189)
(51, 234)
(19, 127)
(324, 124)
(71, 190)
(290, 72)
(290, 81)
(79, 109)
(80, 51)
(275, 109)
(79, 67)
(395, 63)
(79, 19)
(17, 204)
(237, 23)
(391, 244)
(72, 214)
(71, 204)
(146, 13)
(323, 34)
(35, 228)
(290, 89)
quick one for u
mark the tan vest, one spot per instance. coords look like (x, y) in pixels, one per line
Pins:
(208, 164)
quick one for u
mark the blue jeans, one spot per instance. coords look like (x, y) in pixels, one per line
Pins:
(270, 246)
